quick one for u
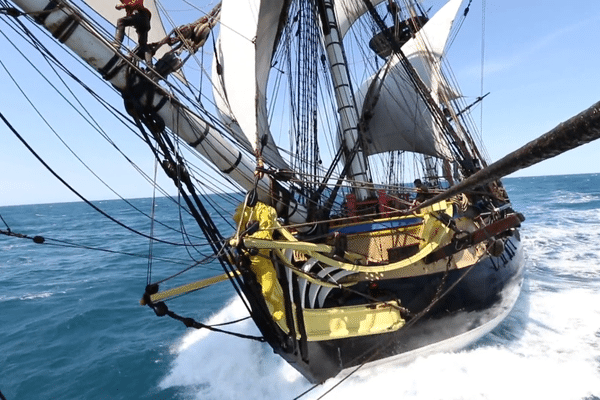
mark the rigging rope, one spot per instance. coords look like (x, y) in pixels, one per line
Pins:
(45, 53)
(161, 310)
(64, 243)
(483, 9)
(5, 223)
(151, 243)
(72, 189)
(36, 239)
(174, 167)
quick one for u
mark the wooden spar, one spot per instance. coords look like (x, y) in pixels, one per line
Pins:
(72, 29)
(349, 120)
(578, 130)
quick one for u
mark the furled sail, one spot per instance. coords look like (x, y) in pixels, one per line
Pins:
(248, 34)
(348, 11)
(106, 8)
(394, 115)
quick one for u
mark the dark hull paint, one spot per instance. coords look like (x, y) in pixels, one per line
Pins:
(478, 303)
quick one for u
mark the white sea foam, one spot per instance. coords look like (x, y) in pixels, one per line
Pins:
(27, 296)
(556, 357)
(215, 366)
(33, 296)
(566, 254)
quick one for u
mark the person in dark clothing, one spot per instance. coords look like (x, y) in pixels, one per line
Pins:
(137, 16)
(422, 191)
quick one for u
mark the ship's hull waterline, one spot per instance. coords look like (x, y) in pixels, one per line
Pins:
(478, 300)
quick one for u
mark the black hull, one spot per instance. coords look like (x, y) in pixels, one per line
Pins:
(477, 302)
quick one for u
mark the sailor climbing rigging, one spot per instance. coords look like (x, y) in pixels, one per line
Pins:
(137, 16)
(191, 36)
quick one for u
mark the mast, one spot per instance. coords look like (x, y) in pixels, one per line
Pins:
(431, 173)
(306, 157)
(430, 167)
(349, 117)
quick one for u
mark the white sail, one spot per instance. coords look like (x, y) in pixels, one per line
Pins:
(249, 31)
(247, 37)
(398, 119)
(106, 8)
(348, 11)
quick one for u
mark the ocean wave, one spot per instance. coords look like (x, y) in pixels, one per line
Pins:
(562, 256)
(28, 296)
(572, 197)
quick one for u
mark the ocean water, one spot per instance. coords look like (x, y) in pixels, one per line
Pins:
(71, 326)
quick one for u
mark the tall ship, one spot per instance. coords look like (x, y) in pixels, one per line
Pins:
(339, 130)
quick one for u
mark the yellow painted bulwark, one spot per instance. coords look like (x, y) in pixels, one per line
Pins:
(338, 322)
(261, 264)
(433, 234)
(352, 321)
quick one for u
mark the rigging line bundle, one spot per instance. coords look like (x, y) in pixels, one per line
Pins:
(96, 127)
(161, 310)
(200, 262)
(126, 60)
(175, 169)
(64, 69)
(64, 243)
(79, 159)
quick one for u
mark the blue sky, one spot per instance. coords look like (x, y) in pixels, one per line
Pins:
(541, 67)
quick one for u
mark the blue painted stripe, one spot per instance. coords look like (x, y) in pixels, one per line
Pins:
(378, 226)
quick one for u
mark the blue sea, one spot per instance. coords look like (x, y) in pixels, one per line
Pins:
(71, 326)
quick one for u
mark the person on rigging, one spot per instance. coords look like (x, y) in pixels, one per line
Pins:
(192, 36)
(138, 16)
